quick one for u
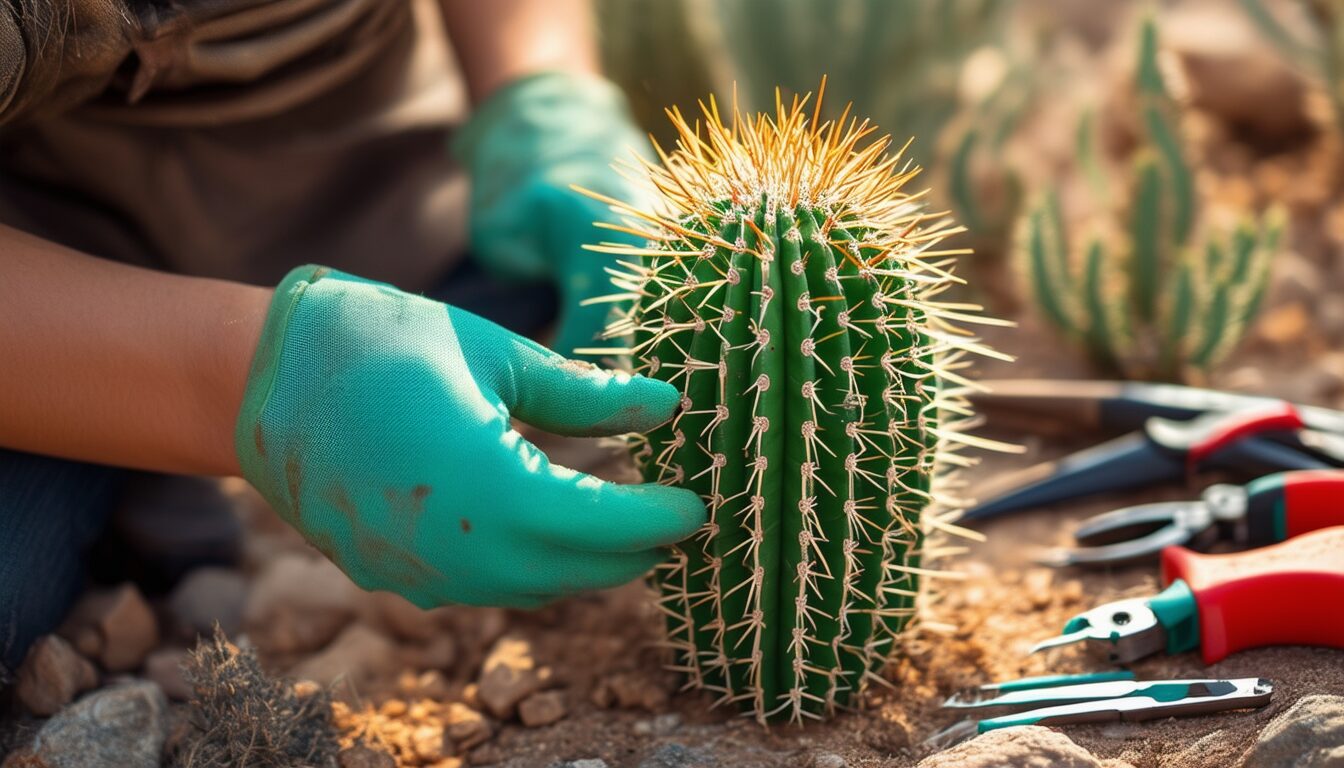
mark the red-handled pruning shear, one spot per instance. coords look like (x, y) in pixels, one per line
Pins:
(1268, 510)
(1286, 594)
(1181, 431)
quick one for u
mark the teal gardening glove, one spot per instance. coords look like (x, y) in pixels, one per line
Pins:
(377, 423)
(524, 147)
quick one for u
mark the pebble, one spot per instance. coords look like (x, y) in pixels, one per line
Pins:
(828, 760)
(1029, 745)
(52, 675)
(1309, 733)
(677, 756)
(542, 708)
(164, 667)
(1036, 584)
(298, 604)
(630, 690)
(122, 726)
(591, 762)
(205, 597)
(466, 727)
(365, 757)
(509, 675)
(427, 741)
(358, 657)
(114, 626)
(658, 726)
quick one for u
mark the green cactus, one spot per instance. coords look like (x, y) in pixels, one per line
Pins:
(1149, 300)
(1323, 56)
(787, 288)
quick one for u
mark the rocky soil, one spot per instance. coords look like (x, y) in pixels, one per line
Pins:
(579, 684)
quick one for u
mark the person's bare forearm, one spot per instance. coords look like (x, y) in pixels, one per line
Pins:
(502, 40)
(118, 365)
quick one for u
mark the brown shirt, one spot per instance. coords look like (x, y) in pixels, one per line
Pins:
(235, 138)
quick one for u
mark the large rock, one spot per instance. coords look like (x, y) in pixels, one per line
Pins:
(359, 657)
(114, 626)
(207, 596)
(1309, 734)
(1025, 747)
(52, 675)
(298, 604)
(118, 727)
(509, 675)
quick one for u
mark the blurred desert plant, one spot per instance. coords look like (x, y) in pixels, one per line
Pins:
(897, 61)
(1321, 54)
(1148, 296)
(984, 189)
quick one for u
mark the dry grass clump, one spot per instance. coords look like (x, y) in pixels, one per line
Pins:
(240, 716)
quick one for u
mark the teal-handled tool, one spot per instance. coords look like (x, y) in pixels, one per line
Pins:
(1096, 698)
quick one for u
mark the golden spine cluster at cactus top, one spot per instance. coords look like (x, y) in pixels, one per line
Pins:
(788, 285)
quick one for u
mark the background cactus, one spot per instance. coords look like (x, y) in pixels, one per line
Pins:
(787, 289)
(898, 61)
(1146, 297)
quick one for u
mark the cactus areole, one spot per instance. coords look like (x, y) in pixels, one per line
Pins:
(787, 289)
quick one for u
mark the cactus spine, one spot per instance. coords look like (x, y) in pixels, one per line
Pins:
(787, 288)
(1154, 302)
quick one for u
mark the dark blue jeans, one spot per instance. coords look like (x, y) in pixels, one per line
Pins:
(52, 511)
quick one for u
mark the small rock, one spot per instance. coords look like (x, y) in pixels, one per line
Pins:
(427, 741)
(426, 685)
(509, 675)
(658, 726)
(52, 676)
(164, 667)
(630, 690)
(365, 757)
(358, 657)
(592, 762)
(542, 708)
(1036, 584)
(677, 756)
(115, 626)
(206, 596)
(828, 760)
(298, 604)
(122, 726)
(1309, 734)
(1030, 745)
(466, 727)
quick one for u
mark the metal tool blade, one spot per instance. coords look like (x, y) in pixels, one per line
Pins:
(1176, 531)
(1065, 694)
(1200, 697)
(1124, 629)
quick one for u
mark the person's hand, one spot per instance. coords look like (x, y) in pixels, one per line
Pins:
(377, 423)
(524, 147)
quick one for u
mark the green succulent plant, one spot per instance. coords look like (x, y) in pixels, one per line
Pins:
(1146, 295)
(788, 289)
(897, 61)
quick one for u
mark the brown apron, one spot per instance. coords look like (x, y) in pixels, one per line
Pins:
(235, 138)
